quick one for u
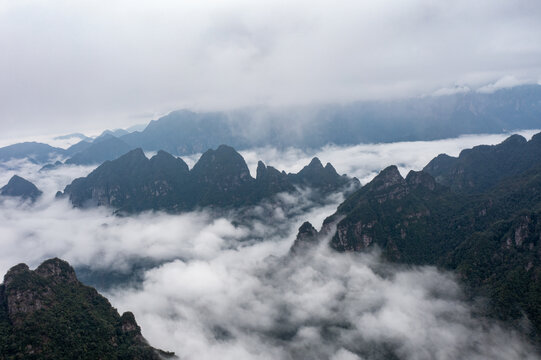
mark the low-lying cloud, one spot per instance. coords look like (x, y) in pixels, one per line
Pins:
(244, 304)
(218, 285)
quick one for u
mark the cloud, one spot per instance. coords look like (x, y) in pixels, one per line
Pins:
(504, 82)
(80, 66)
(451, 91)
(245, 304)
(220, 287)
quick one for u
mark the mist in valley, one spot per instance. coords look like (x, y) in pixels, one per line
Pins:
(224, 284)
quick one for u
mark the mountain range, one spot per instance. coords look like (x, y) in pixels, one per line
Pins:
(220, 178)
(424, 118)
(478, 215)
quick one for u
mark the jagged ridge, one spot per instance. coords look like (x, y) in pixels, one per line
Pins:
(220, 178)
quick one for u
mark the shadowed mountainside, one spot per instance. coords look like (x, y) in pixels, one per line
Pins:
(133, 183)
(492, 238)
(18, 186)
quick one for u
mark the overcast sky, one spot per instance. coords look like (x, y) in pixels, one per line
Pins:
(88, 65)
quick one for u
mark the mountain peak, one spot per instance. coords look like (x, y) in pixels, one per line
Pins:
(56, 269)
(315, 163)
(261, 169)
(135, 153)
(306, 236)
(226, 149)
(223, 160)
(514, 140)
(388, 177)
(421, 178)
(330, 168)
(18, 186)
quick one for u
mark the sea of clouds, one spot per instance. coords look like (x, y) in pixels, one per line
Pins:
(220, 286)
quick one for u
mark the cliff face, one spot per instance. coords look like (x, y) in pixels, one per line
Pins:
(48, 314)
(489, 233)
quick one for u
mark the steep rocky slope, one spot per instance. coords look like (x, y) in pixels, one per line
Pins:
(48, 314)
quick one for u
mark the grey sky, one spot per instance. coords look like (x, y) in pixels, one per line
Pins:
(87, 65)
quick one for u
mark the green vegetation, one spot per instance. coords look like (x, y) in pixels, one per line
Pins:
(489, 232)
(49, 314)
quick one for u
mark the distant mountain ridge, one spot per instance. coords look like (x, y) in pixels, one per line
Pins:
(426, 118)
(34, 151)
(107, 147)
(220, 178)
(185, 132)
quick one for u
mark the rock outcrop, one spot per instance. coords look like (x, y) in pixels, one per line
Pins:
(48, 314)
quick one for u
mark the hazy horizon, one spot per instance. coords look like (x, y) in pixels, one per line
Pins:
(88, 65)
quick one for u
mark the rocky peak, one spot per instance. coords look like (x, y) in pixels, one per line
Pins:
(57, 270)
(536, 139)
(330, 169)
(420, 178)
(261, 170)
(315, 167)
(388, 177)
(307, 230)
(439, 164)
(18, 186)
(165, 160)
(306, 236)
(14, 272)
(513, 140)
(222, 164)
(315, 163)
(128, 323)
(135, 155)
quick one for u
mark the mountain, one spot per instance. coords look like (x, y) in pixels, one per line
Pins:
(17, 186)
(48, 314)
(306, 238)
(424, 118)
(133, 183)
(72, 135)
(478, 169)
(491, 239)
(34, 151)
(314, 175)
(221, 178)
(78, 147)
(115, 133)
(184, 132)
(106, 148)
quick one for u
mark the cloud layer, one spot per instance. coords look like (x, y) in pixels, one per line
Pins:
(86, 65)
